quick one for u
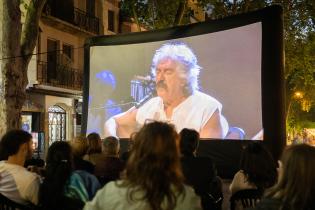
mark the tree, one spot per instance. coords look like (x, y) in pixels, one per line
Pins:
(155, 14)
(17, 45)
(299, 38)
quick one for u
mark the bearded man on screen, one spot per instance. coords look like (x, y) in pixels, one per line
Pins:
(175, 70)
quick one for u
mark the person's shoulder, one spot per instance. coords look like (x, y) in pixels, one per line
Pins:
(189, 199)
(189, 189)
(27, 175)
(4, 165)
(17, 169)
(86, 165)
(114, 188)
(200, 96)
(81, 173)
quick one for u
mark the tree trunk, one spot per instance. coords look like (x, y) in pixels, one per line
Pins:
(180, 12)
(11, 98)
(16, 51)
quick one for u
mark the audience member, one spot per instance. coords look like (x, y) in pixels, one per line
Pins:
(200, 172)
(257, 169)
(153, 178)
(94, 150)
(64, 188)
(17, 183)
(109, 167)
(79, 148)
(296, 183)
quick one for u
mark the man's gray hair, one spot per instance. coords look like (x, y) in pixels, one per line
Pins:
(180, 52)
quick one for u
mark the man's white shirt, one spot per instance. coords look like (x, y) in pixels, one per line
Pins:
(193, 113)
(18, 184)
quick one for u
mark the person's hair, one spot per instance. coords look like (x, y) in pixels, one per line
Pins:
(131, 141)
(258, 166)
(154, 166)
(181, 53)
(59, 167)
(111, 146)
(79, 146)
(189, 141)
(296, 184)
(11, 142)
(94, 143)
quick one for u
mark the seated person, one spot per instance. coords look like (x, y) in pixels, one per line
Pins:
(178, 100)
(94, 150)
(109, 166)
(152, 179)
(257, 169)
(79, 149)
(16, 182)
(200, 172)
(296, 184)
(62, 184)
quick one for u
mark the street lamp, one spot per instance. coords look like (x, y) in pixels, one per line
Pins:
(298, 95)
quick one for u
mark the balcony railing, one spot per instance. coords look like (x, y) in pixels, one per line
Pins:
(74, 16)
(86, 22)
(58, 75)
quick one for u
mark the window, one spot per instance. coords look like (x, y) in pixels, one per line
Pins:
(68, 50)
(90, 7)
(56, 124)
(111, 20)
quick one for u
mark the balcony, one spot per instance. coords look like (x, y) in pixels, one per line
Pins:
(86, 22)
(74, 16)
(58, 75)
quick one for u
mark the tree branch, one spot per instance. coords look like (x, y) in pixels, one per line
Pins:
(30, 28)
(180, 12)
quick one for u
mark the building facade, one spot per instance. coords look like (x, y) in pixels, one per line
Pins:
(53, 107)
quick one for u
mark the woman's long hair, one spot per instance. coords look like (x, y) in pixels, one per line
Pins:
(58, 170)
(296, 185)
(258, 166)
(154, 166)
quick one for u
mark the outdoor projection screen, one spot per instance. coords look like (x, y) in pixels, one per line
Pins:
(241, 58)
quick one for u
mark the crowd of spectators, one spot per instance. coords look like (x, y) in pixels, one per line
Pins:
(160, 171)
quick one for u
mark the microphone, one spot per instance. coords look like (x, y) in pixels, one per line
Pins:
(147, 78)
(145, 99)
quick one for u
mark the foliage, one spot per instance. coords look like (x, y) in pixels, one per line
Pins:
(154, 14)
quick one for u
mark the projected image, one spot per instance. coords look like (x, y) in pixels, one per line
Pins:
(210, 83)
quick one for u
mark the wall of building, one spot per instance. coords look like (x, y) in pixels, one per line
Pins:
(50, 28)
(110, 5)
(74, 40)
